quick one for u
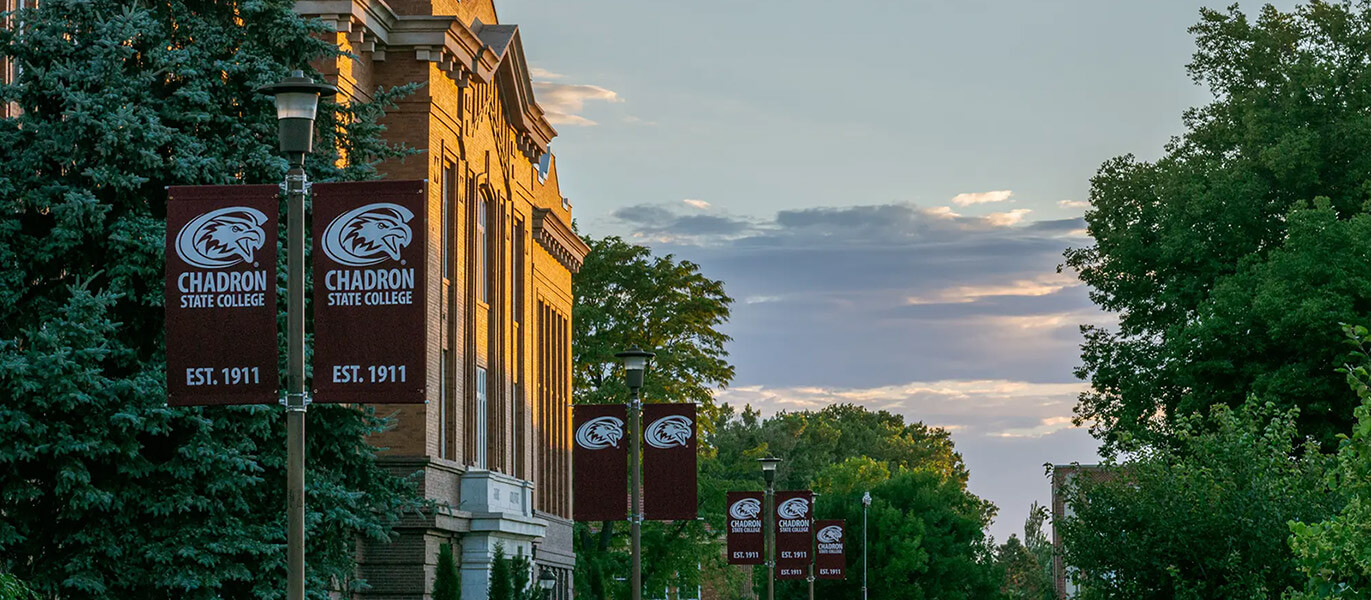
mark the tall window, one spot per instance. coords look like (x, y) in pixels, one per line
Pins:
(520, 411)
(481, 428)
(448, 187)
(482, 250)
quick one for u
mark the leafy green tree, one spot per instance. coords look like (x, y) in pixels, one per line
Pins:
(925, 541)
(106, 491)
(447, 581)
(1220, 290)
(1335, 554)
(625, 296)
(841, 452)
(13, 589)
(1026, 566)
(1202, 518)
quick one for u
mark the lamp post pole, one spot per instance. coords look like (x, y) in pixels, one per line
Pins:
(635, 363)
(813, 515)
(866, 503)
(769, 473)
(297, 101)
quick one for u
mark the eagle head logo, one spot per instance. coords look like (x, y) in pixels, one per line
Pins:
(669, 432)
(368, 235)
(747, 508)
(832, 534)
(222, 238)
(794, 508)
(600, 433)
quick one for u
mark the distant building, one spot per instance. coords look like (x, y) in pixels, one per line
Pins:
(1063, 476)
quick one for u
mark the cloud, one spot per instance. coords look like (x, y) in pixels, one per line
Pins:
(1006, 219)
(1073, 204)
(1042, 285)
(967, 199)
(980, 407)
(562, 101)
(543, 74)
(700, 204)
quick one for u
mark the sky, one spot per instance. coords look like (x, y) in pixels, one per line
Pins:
(886, 188)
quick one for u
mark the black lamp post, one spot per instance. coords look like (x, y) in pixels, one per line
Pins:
(769, 474)
(866, 503)
(297, 101)
(547, 581)
(635, 363)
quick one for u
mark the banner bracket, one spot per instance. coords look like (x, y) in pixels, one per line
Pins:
(305, 401)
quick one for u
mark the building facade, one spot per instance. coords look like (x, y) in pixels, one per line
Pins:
(492, 444)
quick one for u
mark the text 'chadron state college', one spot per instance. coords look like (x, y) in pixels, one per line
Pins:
(364, 237)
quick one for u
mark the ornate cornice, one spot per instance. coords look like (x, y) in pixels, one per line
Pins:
(558, 239)
(486, 53)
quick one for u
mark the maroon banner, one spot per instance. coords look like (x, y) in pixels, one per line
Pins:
(746, 542)
(794, 527)
(792, 571)
(599, 462)
(370, 317)
(669, 462)
(830, 540)
(221, 295)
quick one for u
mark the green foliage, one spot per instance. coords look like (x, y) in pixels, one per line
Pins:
(1224, 285)
(925, 540)
(627, 297)
(1026, 566)
(512, 578)
(447, 581)
(13, 589)
(1204, 517)
(912, 471)
(1335, 554)
(106, 491)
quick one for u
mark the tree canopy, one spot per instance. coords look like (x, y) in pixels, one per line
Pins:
(106, 491)
(1225, 281)
(1205, 517)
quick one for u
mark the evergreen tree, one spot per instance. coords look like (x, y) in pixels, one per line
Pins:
(106, 491)
(447, 582)
(501, 583)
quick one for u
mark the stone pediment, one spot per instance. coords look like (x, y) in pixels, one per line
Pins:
(486, 53)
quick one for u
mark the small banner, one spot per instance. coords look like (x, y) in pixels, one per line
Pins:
(599, 462)
(221, 295)
(669, 459)
(746, 542)
(791, 572)
(794, 528)
(370, 317)
(830, 539)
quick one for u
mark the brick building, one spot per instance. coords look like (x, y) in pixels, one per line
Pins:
(493, 442)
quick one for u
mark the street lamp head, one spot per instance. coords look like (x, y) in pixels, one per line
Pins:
(769, 468)
(866, 499)
(297, 104)
(547, 580)
(635, 362)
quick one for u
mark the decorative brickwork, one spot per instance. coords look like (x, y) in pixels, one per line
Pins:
(491, 444)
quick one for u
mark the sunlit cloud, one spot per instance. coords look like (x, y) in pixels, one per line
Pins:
(541, 73)
(987, 408)
(1073, 204)
(967, 199)
(1007, 219)
(700, 204)
(562, 102)
(942, 212)
(1043, 285)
